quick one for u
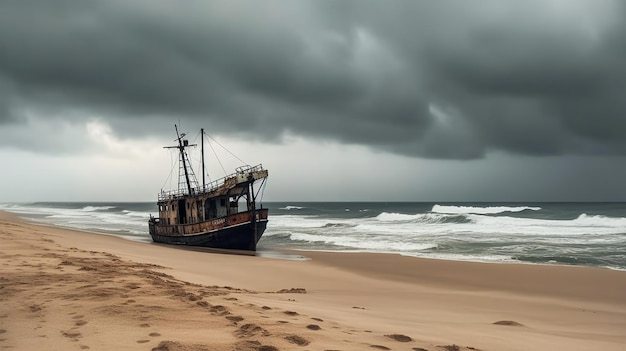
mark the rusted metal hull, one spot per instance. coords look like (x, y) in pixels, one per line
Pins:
(236, 232)
(239, 237)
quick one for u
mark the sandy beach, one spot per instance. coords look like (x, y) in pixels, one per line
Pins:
(68, 290)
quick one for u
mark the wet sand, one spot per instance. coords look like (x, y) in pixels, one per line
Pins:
(69, 290)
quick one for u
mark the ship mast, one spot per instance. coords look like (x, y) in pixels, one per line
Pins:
(202, 148)
(181, 146)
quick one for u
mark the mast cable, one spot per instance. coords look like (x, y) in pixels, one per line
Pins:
(169, 177)
(223, 147)
(217, 157)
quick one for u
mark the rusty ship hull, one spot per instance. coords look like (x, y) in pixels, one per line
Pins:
(236, 236)
(235, 232)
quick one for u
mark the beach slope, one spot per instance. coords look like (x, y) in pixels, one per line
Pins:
(66, 290)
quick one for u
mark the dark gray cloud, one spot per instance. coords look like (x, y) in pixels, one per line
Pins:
(438, 79)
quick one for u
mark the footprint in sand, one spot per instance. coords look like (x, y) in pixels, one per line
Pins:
(509, 323)
(193, 297)
(250, 329)
(298, 340)
(313, 327)
(80, 323)
(219, 310)
(143, 341)
(292, 291)
(144, 325)
(253, 345)
(74, 335)
(168, 345)
(380, 347)
(154, 334)
(291, 313)
(399, 337)
(234, 319)
(133, 286)
(202, 303)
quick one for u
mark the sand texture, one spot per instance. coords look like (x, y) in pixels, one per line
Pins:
(69, 290)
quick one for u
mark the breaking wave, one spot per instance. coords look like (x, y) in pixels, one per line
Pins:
(423, 218)
(600, 221)
(96, 208)
(481, 210)
(356, 243)
(338, 225)
(289, 208)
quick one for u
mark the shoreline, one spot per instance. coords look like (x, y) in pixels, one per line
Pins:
(357, 300)
(414, 230)
(285, 253)
(512, 261)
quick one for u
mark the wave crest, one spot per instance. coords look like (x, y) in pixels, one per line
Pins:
(96, 208)
(600, 221)
(480, 210)
(339, 225)
(289, 208)
(432, 218)
(359, 244)
(136, 214)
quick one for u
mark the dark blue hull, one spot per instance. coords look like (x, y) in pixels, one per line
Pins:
(236, 237)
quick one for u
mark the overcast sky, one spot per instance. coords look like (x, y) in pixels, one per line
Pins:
(487, 100)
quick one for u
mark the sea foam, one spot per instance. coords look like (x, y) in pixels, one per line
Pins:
(481, 210)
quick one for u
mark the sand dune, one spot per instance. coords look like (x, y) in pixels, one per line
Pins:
(65, 290)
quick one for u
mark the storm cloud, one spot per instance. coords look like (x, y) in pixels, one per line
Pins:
(432, 79)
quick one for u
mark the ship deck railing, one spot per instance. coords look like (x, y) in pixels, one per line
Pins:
(212, 186)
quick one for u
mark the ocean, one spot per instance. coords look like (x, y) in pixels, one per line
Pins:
(587, 234)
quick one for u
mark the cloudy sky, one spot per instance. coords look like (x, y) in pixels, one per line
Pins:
(342, 100)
